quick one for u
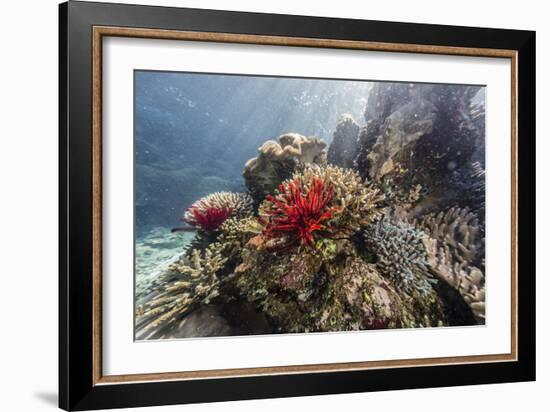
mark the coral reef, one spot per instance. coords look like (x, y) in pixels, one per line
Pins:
(276, 162)
(343, 149)
(327, 201)
(389, 233)
(211, 211)
(400, 255)
(337, 291)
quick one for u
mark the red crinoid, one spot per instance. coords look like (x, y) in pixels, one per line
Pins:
(208, 219)
(295, 216)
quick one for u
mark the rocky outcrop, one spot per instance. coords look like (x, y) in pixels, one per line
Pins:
(419, 134)
(343, 149)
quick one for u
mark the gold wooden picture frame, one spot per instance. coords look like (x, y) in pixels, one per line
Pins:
(100, 32)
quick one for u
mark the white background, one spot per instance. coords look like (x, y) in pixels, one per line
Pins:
(28, 214)
(122, 356)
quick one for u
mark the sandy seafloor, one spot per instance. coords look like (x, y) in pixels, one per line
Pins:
(156, 248)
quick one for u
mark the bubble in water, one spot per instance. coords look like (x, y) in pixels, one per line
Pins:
(451, 165)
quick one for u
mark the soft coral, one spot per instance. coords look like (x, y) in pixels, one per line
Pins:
(295, 216)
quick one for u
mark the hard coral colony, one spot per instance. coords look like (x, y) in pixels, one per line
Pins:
(209, 219)
(210, 212)
(320, 247)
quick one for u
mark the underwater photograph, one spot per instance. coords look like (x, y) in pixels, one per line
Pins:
(270, 205)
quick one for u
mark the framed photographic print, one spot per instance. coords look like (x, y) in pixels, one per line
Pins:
(257, 205)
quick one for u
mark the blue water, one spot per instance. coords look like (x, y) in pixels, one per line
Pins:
(194, 132)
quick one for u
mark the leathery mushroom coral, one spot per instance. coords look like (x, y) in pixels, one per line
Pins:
(276, 161)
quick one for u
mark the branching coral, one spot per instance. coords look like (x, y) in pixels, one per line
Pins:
(276, 162)
(326, 201)
(187, 284)
(400, 255)
(358, 203)
(235, 233)
(456, 255)
(211, 211)
(195, 279)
